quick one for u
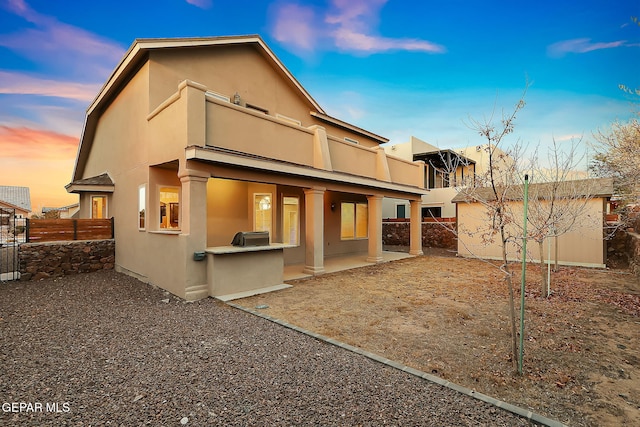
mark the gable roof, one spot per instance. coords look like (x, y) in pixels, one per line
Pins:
(594, 187)
(18, 197)
(99, 183)
(137, 54)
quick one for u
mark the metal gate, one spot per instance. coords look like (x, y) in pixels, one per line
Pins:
(12, 230)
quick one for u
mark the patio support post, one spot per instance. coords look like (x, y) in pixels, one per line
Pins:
(314, 230)
(194, 203)
(415, 225)
(375, 228)
(193, 231)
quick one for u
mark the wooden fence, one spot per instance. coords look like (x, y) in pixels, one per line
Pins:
(54, 230)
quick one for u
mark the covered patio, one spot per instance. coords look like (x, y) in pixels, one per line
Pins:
(347, 262)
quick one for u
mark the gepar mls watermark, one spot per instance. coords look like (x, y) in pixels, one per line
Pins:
(36, 407)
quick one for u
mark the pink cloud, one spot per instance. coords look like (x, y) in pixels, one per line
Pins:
(348, 26)
(17, 83)
(582, 45)
(36, 144)
(295, 27)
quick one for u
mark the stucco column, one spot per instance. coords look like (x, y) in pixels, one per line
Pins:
(314, 230)
(415, 225)
(194, 203)
(193, 231)
(375, 229)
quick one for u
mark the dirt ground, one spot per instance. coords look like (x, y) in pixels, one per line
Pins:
(449, 317)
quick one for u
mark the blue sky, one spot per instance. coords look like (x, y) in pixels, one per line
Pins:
(395, 67)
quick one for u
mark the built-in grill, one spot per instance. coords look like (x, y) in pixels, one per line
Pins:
(251, 238)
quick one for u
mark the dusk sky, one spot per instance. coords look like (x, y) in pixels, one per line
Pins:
(394, 67)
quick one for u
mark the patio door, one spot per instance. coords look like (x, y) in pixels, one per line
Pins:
(291, 220)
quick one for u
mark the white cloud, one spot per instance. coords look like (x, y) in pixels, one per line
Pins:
(348, 25)
(202, 4)
(56, 44)
(581, 45)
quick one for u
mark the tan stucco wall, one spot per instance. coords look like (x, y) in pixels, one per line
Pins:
(583, 245)
(333, 244)
(120, 147)
(230, 273)
(120, 142)
(236, 69)
(242, 129)
(227, 210)
(227, 70)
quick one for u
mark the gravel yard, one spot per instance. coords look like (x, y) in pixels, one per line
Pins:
(105, 349)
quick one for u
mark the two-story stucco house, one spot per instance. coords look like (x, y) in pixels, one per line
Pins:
(190, 141)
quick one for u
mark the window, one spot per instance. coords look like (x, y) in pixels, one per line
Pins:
(438, 178)
(169, 207)
(290, 221)
(262, 212)
(142, 203)
(98, 207)
(354, 221)
(400, 211)
(435, 212)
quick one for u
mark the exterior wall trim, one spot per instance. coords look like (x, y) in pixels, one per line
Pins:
(210, 154)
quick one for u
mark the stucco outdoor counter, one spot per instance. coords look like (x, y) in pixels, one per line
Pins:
(238, 271)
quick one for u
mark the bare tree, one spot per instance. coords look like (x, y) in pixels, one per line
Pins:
(491, 191)
(557, 201)
(618, 156)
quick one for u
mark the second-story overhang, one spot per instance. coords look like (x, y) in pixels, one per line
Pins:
(257, 165)
(444, 159)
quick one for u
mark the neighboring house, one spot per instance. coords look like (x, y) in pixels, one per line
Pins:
(69, 211)
(446, 171)
(192, 140)
(583, 245)
(16, 198)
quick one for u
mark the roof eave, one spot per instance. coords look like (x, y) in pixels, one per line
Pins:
(348, 126)
(89, 188)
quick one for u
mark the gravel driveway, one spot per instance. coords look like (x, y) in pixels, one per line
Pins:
(105, 349)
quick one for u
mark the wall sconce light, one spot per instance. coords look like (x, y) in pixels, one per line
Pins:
(333, 206)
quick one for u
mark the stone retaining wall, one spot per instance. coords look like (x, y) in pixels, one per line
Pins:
(633, 248)
(434, 235)
(54, 259)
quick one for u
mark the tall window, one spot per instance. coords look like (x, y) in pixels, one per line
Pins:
(262, 212)
(290, 220)
(354, 222)
(98, 207)
(142, 204)
(169, 207)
